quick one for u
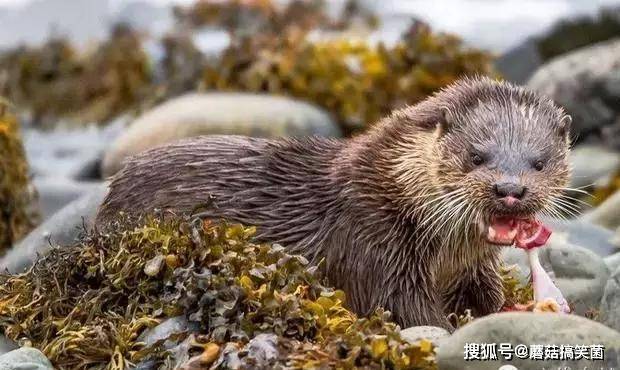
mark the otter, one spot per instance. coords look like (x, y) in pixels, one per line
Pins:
(409, 216)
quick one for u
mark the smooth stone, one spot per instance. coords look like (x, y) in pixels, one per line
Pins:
(173, 325)
(584, 234)
(613, 261)
(610, 303)
(585, 170)
(25, 358)
(61, 229)
(432, 333)
(580, 274)
(607, 214)
(528, 329)
(7, 345)
(56, 192)
(218, 113)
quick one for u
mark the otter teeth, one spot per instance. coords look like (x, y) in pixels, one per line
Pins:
(491, 232)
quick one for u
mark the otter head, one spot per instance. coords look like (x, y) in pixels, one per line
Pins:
(499, 159)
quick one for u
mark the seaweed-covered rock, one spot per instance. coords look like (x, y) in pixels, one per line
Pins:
(218, 113)
(86, 305)
(17, 197)
(354, 80)
(586, 82)
(57, 80)
(528, 329)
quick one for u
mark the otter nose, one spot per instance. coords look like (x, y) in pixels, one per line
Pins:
(509, 189)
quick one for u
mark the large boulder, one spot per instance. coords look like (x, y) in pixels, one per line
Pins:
(586, 82)
(529, 329)
(579, 273)
(610, 304)
(218, 113)
(61, 229)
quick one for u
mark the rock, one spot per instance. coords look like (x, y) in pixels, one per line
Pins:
(613, 261)
(585, 82)
(526, 328)
(7, 345)
(606, 214)
(62, 229)
(579, 273)
(25, 358)
(218, 113)
(57, 192)
(89, 169)
(432, 333)
(585, 171)
(610, 304)
(518, 63)
(584, 234)
(173, 325)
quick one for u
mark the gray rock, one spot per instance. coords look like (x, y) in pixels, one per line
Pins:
(518, 63)
(528, 328)
(7, 345)
(584, 234)
(25, 358)
(56, 192)
(218, 113)
(62, 228)
(432, 333)
(606, 214)
(587, 171)
(610, 304)
(89, 169)
(583, 81)
(613, 261)
(579, 273)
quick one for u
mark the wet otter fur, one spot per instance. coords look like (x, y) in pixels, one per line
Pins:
(398, 214)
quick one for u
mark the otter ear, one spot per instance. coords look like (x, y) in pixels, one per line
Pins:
(445, 121)
(564, 126)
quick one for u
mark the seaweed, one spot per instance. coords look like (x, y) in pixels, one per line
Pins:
(356, 81)
(17, 198)
(87, 305)
(273, 50)
(56, 80)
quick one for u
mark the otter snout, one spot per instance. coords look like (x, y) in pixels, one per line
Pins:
(509, 193)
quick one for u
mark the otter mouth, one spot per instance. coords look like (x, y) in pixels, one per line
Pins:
(526, 233)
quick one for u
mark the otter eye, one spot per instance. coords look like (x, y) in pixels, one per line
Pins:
(539, 165)
(477, 159)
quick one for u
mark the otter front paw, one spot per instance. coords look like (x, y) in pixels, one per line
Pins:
(481, 296)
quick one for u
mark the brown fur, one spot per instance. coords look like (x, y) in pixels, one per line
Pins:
(377, 208)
